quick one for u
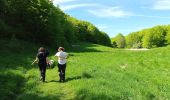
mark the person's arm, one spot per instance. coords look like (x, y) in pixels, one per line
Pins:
(61, 58)
(57, 55)
(36, 60)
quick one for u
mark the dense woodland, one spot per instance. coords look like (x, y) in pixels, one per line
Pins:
(157, 36)
(39, 21)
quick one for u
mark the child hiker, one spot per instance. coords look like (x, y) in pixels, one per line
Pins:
(61, 63)
(42, 60)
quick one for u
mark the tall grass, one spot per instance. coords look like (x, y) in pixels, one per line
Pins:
(93, 72)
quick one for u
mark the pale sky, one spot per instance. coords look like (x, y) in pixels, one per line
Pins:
(118, 16)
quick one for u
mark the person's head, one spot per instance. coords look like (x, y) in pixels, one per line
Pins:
(41, 49)
(60, 49)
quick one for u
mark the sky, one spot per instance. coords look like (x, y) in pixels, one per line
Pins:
(118, 16)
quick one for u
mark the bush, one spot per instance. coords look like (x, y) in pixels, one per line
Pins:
(120, 41)
(168, 35)
(137, 45)
(114, 45)
(5, 30)
(155, 37)
(134, 40)
(14, 44)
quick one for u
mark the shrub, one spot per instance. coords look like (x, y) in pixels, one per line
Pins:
(120, 41)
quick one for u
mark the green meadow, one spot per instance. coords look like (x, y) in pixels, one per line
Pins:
(93, 72)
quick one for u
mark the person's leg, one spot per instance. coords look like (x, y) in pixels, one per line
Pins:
(60, 72)
(48, 65)
(40, 69)
(63, 71)
(43, 72)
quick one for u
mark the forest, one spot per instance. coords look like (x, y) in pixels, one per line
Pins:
(157, 36)
(39, 21)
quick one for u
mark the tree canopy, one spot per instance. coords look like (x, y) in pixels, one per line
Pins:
(40, 21)
(157, 36)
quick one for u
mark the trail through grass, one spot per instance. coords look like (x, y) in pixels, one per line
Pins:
(93, 72)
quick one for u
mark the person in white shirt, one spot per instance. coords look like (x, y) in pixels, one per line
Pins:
(62, 56)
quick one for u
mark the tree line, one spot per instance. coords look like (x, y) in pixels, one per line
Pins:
(41, 22)
(157, 36)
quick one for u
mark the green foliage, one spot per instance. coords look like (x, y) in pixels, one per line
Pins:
(120, 41)
(5, 30)
(14, 44)
(41, 22)
(134, 40)
(148, 38)
(155, 37)
(114, 45)
(11, 80)
(168, 35)
(137, 45)
(3, 8)
(87, 32)
(104, 39)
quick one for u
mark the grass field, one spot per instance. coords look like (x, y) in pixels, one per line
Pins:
(93, 72)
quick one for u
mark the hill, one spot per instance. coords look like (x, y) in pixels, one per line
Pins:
(94, 72)
(39, 21)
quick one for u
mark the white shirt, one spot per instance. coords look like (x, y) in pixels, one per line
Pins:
(61, 57)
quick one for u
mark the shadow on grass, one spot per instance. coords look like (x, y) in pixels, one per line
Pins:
(10, 85)
(73, 78)
(38, 97)
(67, 79)
(84, 75)
(13, 61)
(13, 67)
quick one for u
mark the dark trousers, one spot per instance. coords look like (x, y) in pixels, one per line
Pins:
(42, 68)
(61, 70)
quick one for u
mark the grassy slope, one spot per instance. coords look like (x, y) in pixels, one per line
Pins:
(93, 73)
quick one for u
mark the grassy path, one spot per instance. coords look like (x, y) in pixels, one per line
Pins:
(50, 90)
(93, 73)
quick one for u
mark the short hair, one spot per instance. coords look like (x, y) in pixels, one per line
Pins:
(61, 48)
(41, 49)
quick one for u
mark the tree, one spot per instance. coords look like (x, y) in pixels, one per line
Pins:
(3, 9)
(120, 41)
(168, 34)
(104, 39)
(134, 40)
(114, 45)
(155, 37)
(41, 22)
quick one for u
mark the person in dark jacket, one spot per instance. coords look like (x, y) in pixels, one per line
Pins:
(42, 60)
